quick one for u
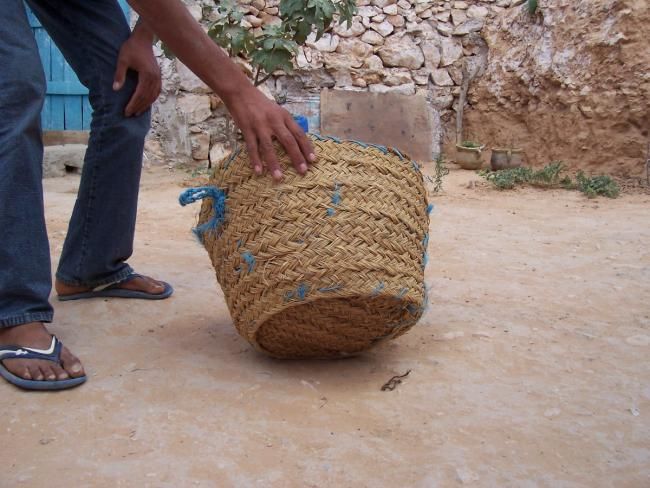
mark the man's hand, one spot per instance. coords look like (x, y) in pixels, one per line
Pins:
(261, 120)
(137, 54)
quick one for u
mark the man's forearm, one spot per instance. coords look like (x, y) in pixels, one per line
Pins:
(143, 31)
(174, 25)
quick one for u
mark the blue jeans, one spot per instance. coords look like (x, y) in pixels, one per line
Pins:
(100, 233)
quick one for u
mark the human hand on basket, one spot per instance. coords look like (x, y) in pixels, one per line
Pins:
(261, 121)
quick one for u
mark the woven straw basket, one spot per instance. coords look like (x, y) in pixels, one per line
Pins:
(323, 265)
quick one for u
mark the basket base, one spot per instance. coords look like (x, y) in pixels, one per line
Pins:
(335, 327)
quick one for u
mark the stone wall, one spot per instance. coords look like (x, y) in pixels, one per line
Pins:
(404, 46)
(570, 82)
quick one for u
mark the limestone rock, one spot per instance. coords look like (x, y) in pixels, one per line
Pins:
(472, 25)
(368, 11)
(254, 21)
(397, 77)
(355, 47)
(188, 81)
(195, 108)
(356, 29)
(431, 54)
(327, 44)
(56, 158)
(374, 62)
(451, 50)
(383, 3)
(402, 52)
(336, 61)
(477, 12)
(408, 89)
(390, 9)
(396, 20)
(458, 17)
(444, 28)
(373, 38)
(200, 145)
(218, 153)
(441, 77)
(268, 19)
(384, 28)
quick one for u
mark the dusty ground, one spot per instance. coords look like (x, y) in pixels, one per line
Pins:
(529, 369)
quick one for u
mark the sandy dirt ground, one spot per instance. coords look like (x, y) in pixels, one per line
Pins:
(530, 368)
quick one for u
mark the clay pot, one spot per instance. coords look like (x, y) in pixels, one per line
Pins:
(503, 158)
(469, 157)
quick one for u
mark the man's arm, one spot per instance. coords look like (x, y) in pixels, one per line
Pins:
(259, 119)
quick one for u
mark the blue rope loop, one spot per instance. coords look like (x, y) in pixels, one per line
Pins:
(218, 197)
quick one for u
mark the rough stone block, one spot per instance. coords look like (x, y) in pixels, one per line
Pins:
(56, 158)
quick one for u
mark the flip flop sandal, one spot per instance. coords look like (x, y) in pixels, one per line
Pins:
(52, 354)
(113, 290)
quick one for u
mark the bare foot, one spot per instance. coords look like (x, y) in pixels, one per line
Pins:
(141, 283)
(35, 335)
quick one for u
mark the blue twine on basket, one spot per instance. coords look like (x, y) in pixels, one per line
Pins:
(232, 157)
(336, 199)
(378, 289)
(299, 293)
(249, 259)
(330, 288)
(218, 196)
(360, 143)
(402, 293)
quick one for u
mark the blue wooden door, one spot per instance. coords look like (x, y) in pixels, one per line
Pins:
(66, 104)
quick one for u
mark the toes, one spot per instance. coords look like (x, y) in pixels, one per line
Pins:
(60, 372)
(36, 373)
(24, 373)
(71, 364)
(48, 372)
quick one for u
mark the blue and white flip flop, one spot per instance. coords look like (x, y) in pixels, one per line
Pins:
(52, 354)
(113, 290)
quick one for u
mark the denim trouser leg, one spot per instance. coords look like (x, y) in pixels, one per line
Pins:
(101, 230)
(25, 279)
(100, 235)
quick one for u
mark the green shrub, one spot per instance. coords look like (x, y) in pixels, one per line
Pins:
(592, 186)
(550, 176)
(470, 144)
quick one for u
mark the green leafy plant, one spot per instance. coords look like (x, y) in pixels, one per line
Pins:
(276, 46)
(532, 5)
(441, 171)
(470, 144)
(593, 186)
(551, 176)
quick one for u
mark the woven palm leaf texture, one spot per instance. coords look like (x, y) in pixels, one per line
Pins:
(323, 265)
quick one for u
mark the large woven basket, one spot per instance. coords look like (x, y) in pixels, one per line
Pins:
(324, 265)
